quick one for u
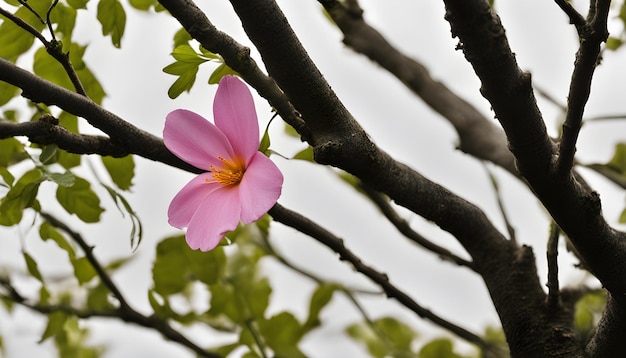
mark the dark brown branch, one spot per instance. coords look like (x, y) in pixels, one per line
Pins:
(478, 136)
(552, 254)
(308, 227)
(592, 34)
(122, 134)
(575, 18)
(125, 311)
(575, 208)
(608, 339)
(47, 131)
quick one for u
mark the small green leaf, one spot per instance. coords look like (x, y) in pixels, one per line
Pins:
(11, 152)
(15, 41)
(181, 37)
(49, 232)
(98, 298)
(56, 321)
(143, 5)
(7, 177)
(83, 270)
(282, 333)
(112, 16)
(21, 196)
(121, 170)
(438, 348)
(321, 297)
(182, 83)
(136, 233)
(78, 4)
(221, 71)
(66, 179)
(184, 53)
(47, 153)
(305, 154)
(176, 265)
(31, 265)
(613, 43)
(79, 199)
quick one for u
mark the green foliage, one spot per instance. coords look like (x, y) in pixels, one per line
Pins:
(438, 348)
(112, 17)
(384, 337)
(321, 297)
(143, 5)
(65, 19)
(588, 311)
(497, 341)
(15, 41)
(136, 232)
(121, 170)
(69, 337)
(305, 154)
(187, 64)
(79, 199)
(20, 196)
(11, 152)
(7, 92)
(176, 266)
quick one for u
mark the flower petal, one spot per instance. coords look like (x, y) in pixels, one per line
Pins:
(189, 198)
(216, 215)
(195, 140)
(260, 188)
(235, 116)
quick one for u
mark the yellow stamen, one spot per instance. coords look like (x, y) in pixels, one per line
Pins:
(230, 173)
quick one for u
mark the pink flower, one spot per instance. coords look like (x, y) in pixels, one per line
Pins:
(241, 184)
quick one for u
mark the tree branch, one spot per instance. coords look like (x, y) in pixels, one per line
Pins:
(308, 227)
(575, 208)
(478, 135)
(47, 131)
(122, 134)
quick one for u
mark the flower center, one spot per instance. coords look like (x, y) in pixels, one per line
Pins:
(230, 173)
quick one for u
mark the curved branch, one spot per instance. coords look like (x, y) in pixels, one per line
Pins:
(575, 208)
(478, 135)
(308, 227)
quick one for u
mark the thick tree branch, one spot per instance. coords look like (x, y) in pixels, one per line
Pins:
(608, 340)
(48, 131)
(121, 133)
(576, 209)
(478, 135)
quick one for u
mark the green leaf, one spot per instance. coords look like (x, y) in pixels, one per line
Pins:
(121, 170)
(79, 199)
(7, 177)
(221, 71)
(282, 333)
(78, 4)
(588, 311)
(56, 321)
(65, 19)
(184, 53)
(305, 154)
(143, 5)
(11, 152)
(98, 298)
(136, 233)
(363, 333)
(183, 83)
(21, 196)
(613, 43)
(66, 179)
(176, 265)
(320, 298)
(49, 232)
(48, 153)
(83, 270)
(112, 16)
(15, 41)
(387, 337)
(7, 92)
(438, 348)
(31, 265)
(181, 37)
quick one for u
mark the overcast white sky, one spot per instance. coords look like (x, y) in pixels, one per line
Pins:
(137, 90)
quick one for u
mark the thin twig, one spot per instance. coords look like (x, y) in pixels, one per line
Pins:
(494, 182)
(308, 227)
(592, 34)
(575, 18)
(405, 228)
(552, 254)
